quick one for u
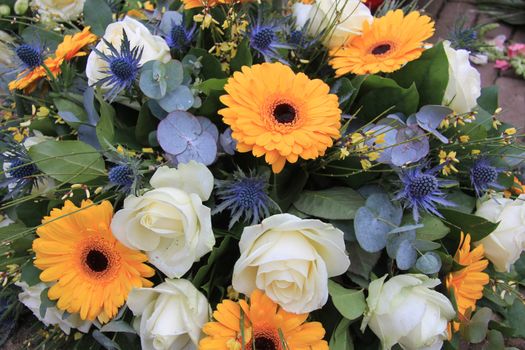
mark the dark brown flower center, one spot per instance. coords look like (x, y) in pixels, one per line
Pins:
(284, 113)
(97, 261)
(381, 49)
(265, 343)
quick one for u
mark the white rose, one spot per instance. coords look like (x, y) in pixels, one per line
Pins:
(154, 47)
(59, 10)
(349, 14)
(505, 244)
(30, 297)
(290, 259)
(464, 81)
(407, 311)
(169, 316)
(170, 224)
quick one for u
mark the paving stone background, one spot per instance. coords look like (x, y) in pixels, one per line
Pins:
(511, 87)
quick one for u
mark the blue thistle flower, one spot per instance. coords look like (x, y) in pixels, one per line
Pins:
(19, 171)
(31, 56)
(121, 175)
(421, 190)
(264, 40)
(245, 196)
(179, 37)
(484, 176)
(123, 66)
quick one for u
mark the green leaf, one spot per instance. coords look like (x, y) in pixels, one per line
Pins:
(243, 56)
(516, 317)
(341, 338)
(349, 302)
(212, 85)
(118, 326)
(97, 14)
(476, 330)
(30, 274)
(464, 203)
(45, 303)
(287, 186)
(433, 228)
(379, 95)
(105, 128)
(495, 341)
(488, 100)
(211, 67)
(72, 113)
(362, 261)
(478, 227)
(337, 203)
(106, 342)
(216, 253)
(146, 123)
(429, 73)
(68, 161)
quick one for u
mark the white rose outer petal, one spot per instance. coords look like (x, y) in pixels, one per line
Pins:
(190, 177)
(505, 244)
(291, 260)
(154, 46)
(464, 81)
(169, 316)
(172, 226)
(59, 9)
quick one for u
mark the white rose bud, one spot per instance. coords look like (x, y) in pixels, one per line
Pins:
(290, 259)
(169, 223)
(464, 81)
(154, 47)
(350, 15)
(169, 316)
(505, 244)
(406, 311)
(30, 297)
(59, 10)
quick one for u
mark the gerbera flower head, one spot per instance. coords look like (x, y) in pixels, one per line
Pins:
(385, 45)
(421, 190)
(467, 283)
(72, 45)
(264, 326)
(279, 114)
(92, 271)
(484, 176)
(245, 196)
(123, 66)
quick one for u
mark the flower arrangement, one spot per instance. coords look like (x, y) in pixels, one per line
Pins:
(232, 175)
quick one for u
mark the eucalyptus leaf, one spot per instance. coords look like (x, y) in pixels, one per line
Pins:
(341, 338)
(181, 98)
(429, 263)
(349, 302)
(97, 15)
(406, 255)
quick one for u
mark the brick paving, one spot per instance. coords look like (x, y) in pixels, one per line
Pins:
(511, 87)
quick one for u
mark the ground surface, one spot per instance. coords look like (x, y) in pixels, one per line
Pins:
(512, 87)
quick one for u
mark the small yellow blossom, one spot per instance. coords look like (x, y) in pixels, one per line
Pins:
(495, 123)
(147, 150)
(510, 131)
(448, 159)
(365, 164)
(344, 152)
(475, 151)
(42, 112)
(464, 138)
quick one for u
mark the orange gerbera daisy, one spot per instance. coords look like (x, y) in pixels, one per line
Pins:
(468, 282)
(385, 45)
(72, 45)
(265, 324)
(279, 114)
(93, 271)
(70, 48)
